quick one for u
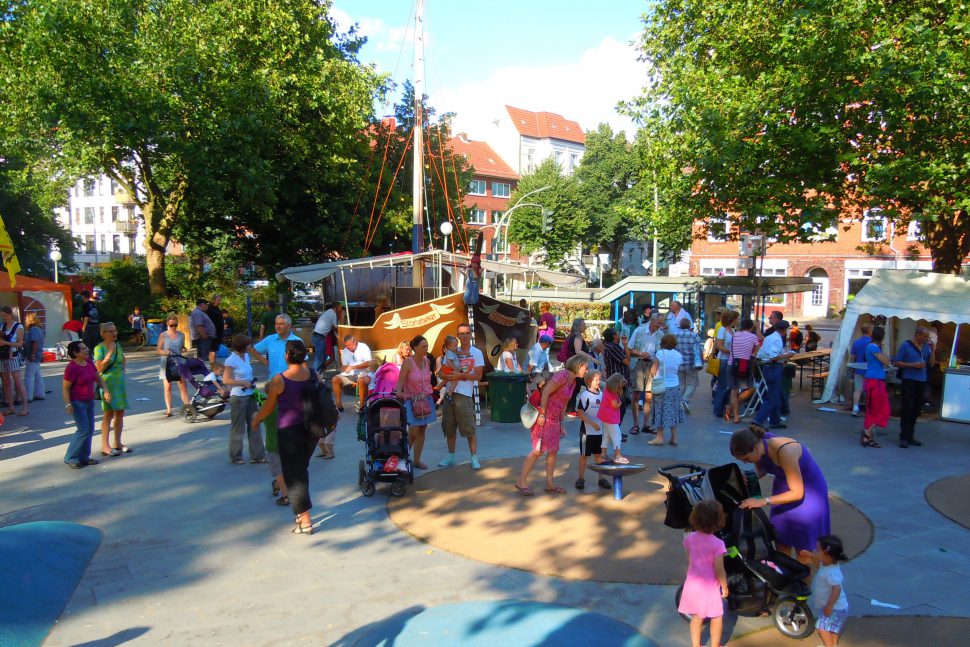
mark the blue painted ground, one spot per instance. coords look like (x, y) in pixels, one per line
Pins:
(41, 564)
(506, 622)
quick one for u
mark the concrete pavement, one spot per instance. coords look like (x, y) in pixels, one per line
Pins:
(195, 551)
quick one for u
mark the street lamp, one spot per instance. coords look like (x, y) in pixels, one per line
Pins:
(55, 256)
(505, 219)
(446, 229)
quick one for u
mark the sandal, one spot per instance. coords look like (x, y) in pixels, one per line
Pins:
(868, 441)
(656, 441)
(556, 490)
(302, 530)
(525, 491)
(124, 449)
(634, 430)
(168, 414)
(276, 488)
(283, 500)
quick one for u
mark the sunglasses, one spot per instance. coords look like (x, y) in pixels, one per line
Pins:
(173, 325)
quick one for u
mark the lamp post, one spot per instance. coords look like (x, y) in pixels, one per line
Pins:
(446, 229)
(55, 256)
(504, 220)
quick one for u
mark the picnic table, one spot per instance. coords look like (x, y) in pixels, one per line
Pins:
(817, 359)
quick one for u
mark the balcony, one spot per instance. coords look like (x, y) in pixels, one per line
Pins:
(123, 197)
(126, 226)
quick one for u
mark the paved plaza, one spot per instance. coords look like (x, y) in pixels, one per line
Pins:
(194, 551)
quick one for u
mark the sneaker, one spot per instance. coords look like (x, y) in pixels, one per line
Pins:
(580, 484)
(623, 437)
(855, 413)
(915, 443)
(475, 464)
(448, 462)
(622, 460)
(604, 483)
(780, 425)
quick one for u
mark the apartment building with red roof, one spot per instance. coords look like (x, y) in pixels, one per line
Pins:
(525, 139)
(487, 196)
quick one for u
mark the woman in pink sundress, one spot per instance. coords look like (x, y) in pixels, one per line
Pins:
(548, 429)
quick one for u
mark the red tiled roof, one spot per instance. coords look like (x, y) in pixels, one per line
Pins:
(481, 156)
(545, 125)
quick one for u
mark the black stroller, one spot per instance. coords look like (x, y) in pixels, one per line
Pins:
(387, 457)
(206, 400)
(760, 579)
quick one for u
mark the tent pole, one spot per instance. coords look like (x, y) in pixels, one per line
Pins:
(343, 280)
(952, 363)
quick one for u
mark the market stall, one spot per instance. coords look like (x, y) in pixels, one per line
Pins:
(907, 299)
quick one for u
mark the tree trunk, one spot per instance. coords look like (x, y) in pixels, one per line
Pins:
(949, 241)
(155, 259)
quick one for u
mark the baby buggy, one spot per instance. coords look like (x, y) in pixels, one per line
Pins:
(206, 401)
(387, 456)
(761, 580)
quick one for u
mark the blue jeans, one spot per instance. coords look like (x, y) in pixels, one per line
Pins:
(79, 449)
(770, 408)
(722, 390)
(320, 351)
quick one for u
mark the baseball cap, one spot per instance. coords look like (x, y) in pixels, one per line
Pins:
(545, 339)
(782, 325)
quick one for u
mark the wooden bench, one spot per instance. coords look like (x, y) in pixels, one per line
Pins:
(818, 382)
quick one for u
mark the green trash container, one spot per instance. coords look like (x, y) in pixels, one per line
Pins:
(506, 395)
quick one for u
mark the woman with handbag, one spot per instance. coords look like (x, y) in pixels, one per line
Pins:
(242, 405)
(414, 387)
(667, 410)
(296, 443)
(743, 348)
(111, 363)
(725, 377)
(12, 361)
(171, 343)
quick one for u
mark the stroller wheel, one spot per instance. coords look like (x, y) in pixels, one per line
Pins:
(361, 473)
(367, 488)
(793, 618)
(189, 414)
(399, 487)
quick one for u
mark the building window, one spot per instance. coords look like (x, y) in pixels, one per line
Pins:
(914, 231)
(116, 244)
(89, 245)
(715, 268)
(873, 227)
(501, 190)
(818, 295)
(558, 156)
(88, 215)
(719, 228)
(101, 215)
(77, 215)
(90, 186)
(477, 187)
(819, 235)
(530, 160)
(104, 244)
(497, 216)
(115, 211)
(131, 212)
(500, 243)
(573, 161)
(476, 217)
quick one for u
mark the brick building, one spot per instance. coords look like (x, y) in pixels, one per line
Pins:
(840, 260)
(487, 197)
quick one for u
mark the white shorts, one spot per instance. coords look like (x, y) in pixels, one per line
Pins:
(611, 433)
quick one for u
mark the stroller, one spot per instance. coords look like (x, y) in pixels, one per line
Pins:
(387, 457)
(206, 401)
(760, 579)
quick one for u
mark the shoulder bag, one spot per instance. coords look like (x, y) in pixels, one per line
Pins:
(658, 386)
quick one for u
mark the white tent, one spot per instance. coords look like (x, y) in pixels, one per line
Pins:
(903, 294)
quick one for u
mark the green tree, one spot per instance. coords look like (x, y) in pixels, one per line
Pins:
(186, 105)
(30, 222)
(559, 233)
(792, 116)
(608, 176)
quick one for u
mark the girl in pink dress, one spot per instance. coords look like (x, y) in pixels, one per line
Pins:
(548, 429)
(706, 582)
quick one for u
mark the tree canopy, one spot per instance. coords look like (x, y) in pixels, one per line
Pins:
(215, 112)
(796, 116)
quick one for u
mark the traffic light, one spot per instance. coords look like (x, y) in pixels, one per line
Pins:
(547, 220)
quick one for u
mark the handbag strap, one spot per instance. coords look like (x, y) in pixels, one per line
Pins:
(114, 359)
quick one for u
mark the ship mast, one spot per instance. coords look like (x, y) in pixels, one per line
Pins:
(417, 185)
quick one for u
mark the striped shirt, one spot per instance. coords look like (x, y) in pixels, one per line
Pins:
(743, 345)
(613, 356)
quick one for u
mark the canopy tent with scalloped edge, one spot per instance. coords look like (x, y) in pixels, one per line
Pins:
(50, 301)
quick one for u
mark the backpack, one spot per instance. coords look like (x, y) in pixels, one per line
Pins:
(319, 410)
(797, 339)
(566, 350)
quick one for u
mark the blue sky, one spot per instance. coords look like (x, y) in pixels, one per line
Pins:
(569, 57)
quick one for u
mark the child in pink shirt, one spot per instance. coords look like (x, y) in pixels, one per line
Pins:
(609, 414)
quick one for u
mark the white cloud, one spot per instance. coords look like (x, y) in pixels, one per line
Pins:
(586, 90)
(380, 35)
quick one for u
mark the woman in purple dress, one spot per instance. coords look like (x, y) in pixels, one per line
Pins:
(799, 498)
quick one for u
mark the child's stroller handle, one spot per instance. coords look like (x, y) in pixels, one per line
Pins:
(695, 470)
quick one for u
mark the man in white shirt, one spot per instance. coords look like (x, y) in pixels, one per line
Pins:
(772, 357)
(458, 413)
(643, 344)
(325, 328)
(538, 362)
(354, 363)
(675, 316)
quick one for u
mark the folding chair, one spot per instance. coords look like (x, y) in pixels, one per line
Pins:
(760, 390)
